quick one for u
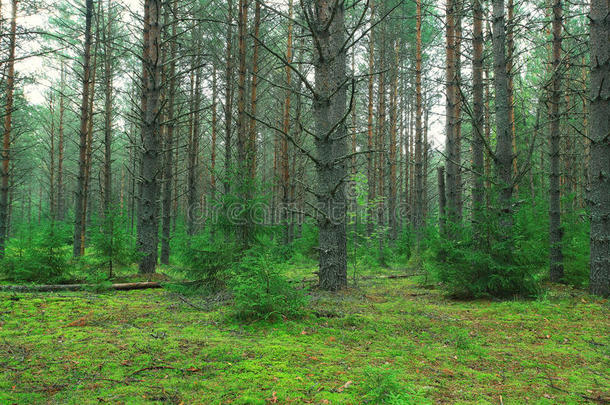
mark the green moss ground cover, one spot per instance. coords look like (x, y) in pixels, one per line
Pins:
(386, 341)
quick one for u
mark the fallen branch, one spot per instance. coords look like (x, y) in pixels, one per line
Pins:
(390, 276)
(78, 287)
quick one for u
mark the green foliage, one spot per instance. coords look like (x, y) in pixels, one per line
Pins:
(576, 249)
(261, 292)
(382, 386)
(38, 256)
(205, 257)
(492, 266)
(113, 243)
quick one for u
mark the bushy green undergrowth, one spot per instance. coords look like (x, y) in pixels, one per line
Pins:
(39, 255)
(261, 291)
(484, 263)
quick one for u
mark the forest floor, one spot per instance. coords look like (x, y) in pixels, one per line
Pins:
(390, 341)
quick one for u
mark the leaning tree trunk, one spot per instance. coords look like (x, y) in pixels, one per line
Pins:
(148, 237)
(555, 231)
(599, 170)
(331, 146)
(6, 139)
(79, 205)
(504, 154)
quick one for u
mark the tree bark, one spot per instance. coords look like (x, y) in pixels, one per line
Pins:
(328, 26)
(284, 157)
(6, 139)
(478, 189)
(555, 230)
(504, 155)
(169, 144)
(149, 206)
(599, 170)
(419, 174)
(79, 205)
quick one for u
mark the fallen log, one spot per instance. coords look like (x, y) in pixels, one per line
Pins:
(78, 287)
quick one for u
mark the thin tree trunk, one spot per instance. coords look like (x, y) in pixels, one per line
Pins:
(228, 98)
(555, 230)
(370, 171)
(478, 190)
(442, 200)
(419, 181)
(284, 157)
(253, 89)
(60, 150)
(108, 81)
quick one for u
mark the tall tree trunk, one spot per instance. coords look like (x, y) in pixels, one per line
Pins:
(228, 98)
(149, 208)
(79, 208)
(478, 117)
(108, 82)
(60, 150)
(244, 227)
(419, 174)
(329, 112)
(253, 92)
(599, 170)
(193, 211)
(452, 165)
(392, 218)
(169, 141)
(555, 230)
(504, 151)
(370, 170)
(52, 200)
(284, 157)
(510, 53)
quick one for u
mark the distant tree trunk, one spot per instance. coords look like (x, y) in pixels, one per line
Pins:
(510, 52)
(228, 98)
(504, 152)
(79, 207)
(442, 200)
(599, 170)
(451, 146)
(244, 155)
(213, 146)
(478, 190)
(60, 150)
(555, 230)
(169, 142)
(370, 170)
(392, 220)
(253, 92)
(193, 150)
(108, 83)
(419, 173)
(329, 105)
(52, 210)
(6, 139)
(284, 157)
(149, 207)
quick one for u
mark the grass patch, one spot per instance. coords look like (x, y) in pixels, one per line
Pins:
(387, 341)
